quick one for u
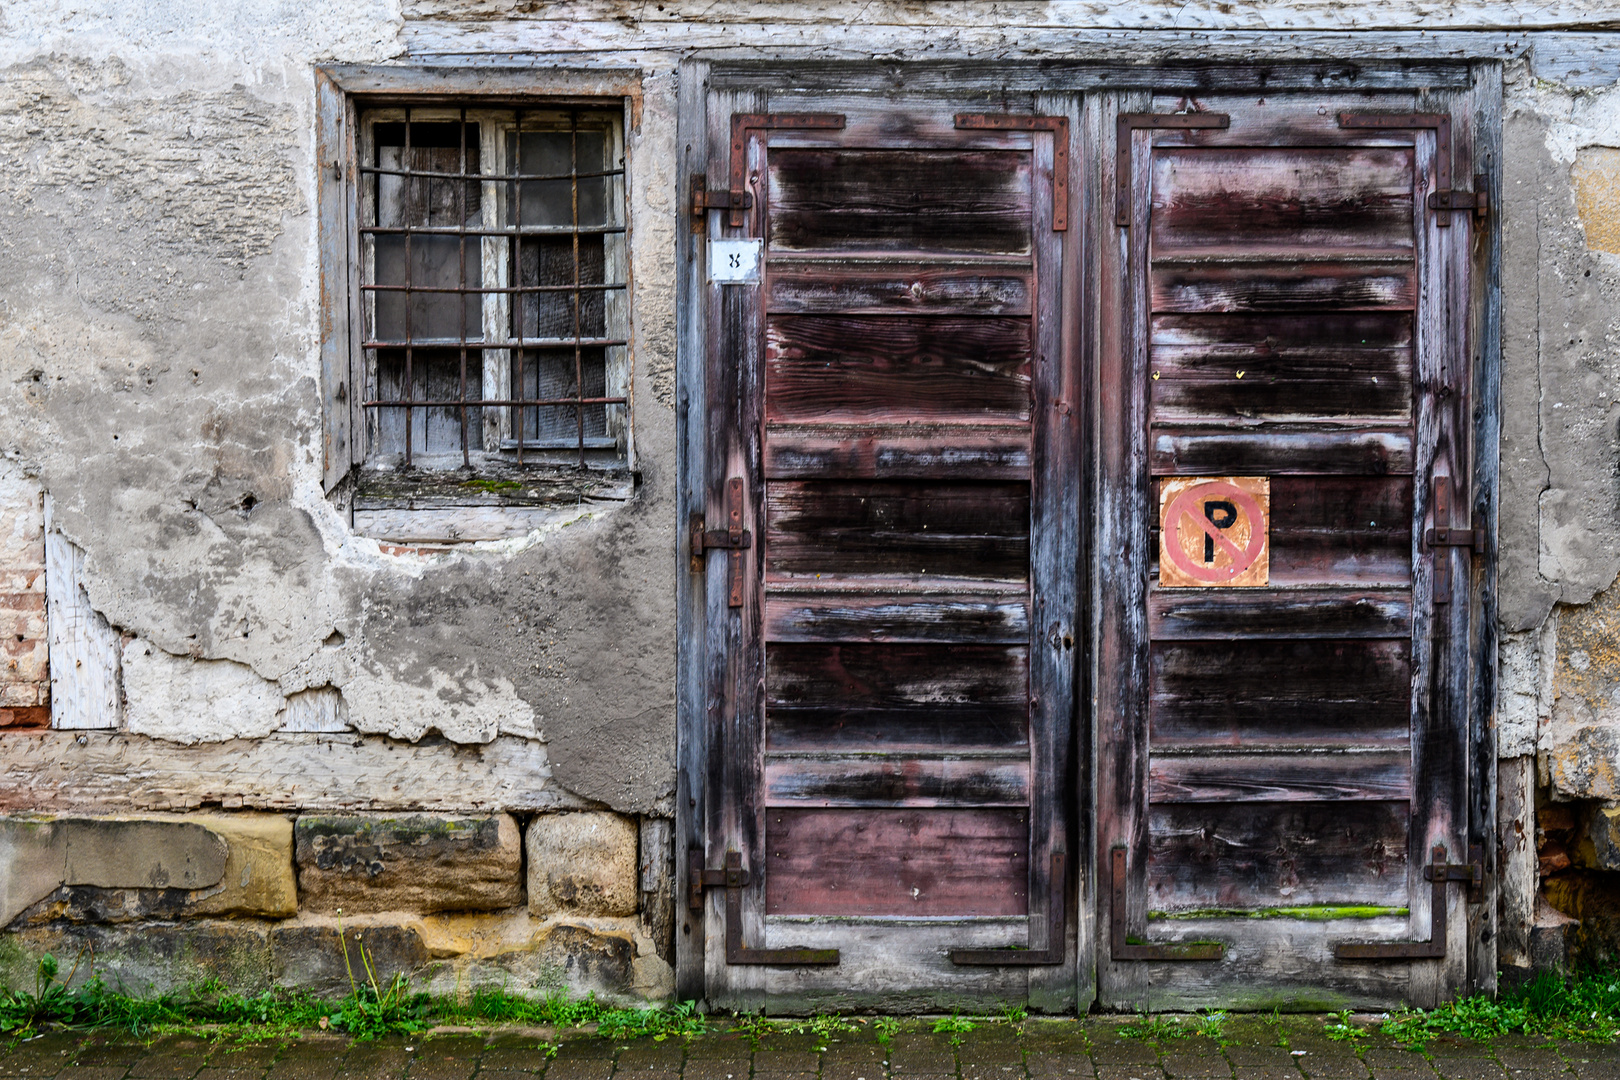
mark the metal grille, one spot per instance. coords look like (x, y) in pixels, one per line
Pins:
(493, 280)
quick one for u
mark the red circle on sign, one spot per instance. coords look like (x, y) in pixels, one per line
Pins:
(1180, 507)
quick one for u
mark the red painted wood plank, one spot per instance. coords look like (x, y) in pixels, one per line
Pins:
(1279, 613)
(1274, 450)
(805, 286)
(897, 862)
(884, 615)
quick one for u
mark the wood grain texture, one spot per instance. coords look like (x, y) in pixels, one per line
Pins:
(896, 779)
(959, 201)
(897, 451)
(890, 696)
(1259, 777)
(947, 530)
(862, 369)
(1279, 450)
(1267, 693)
(1286, 284)
(982, 618)
(934, 287)
(1304, 197)
(1280, 613)
(897, 862)
(84, 650)
(1260, 855)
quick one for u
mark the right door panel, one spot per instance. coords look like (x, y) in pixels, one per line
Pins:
(1283, 711)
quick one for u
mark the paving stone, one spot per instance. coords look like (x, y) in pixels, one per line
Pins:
(324, 1067)
(1539, 1058)
(1196, 1065)
(442, 1068)
(698, 1068)
(1125, 1052)
(841, 1070)
(1138, 1071)
(1057, 1066)
(786, 1061)
(1469, 1069)
(504, 1074)
(101, 1051)
(211, 1073)
(1257, 1056)
(578, 1069)
(526, 1059)
(1390, 1057)
(1332, 1066)
(1265, 1072)
(166, 1066)
(921, 1063)
(93, 1072)
(662, 1072)
(1589, 1068)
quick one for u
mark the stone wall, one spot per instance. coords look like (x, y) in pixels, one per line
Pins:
(551, 903)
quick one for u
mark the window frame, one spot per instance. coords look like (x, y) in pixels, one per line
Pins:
(343, 93)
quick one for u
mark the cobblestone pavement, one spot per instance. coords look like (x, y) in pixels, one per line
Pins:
(1090, 1049)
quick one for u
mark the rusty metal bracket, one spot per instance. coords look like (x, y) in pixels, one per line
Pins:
(1057, 933)
(1058, 126)
(1438, 872)
(1444, 535)
(1442, 198)
(733, 538)
(704, 200)
(741, 125)
(1125, 123)
(1120, 945)
(734, 878)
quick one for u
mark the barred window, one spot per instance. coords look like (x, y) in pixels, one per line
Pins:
(493, 286)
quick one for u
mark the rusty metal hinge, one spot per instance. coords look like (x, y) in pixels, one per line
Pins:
(733, 877)
(1444, 535)
(733, 538)
(1120, 945)
(1442, 198)
(1058, 126)
(1125, 123)
(743, 123)
(1438, 872)
(1057, 933)
(704, 200)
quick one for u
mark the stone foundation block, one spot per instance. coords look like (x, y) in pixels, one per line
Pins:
(420, 862)
(256, 878)
(311, 957)
(1603, 833)
(147, 959)
(582, 864)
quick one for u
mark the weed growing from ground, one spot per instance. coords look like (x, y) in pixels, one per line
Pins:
(1584, 1007)
(1153, 1028)
(885, 1026)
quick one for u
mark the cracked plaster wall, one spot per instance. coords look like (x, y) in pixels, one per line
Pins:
(158, 338)
(158, 375)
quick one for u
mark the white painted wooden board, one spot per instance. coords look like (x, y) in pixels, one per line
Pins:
(84, 649)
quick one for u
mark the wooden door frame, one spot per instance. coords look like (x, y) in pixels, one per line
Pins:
(1109, 89)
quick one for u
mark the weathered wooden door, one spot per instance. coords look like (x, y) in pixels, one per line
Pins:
(1286, 586)
(889, 542)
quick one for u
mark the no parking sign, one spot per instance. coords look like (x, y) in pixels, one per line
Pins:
(1214, 531)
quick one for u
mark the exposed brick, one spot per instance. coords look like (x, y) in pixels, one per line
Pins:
(30, 716)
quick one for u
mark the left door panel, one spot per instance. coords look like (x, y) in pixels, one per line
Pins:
(889, 625)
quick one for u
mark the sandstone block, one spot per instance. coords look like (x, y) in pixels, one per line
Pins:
(257, 879)
(311, 957)
(147, 959)
(1603, 831)
(582, 864)
(420, 862)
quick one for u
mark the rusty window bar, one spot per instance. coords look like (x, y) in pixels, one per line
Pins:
(536, 230)
(518, 343)
(492, 289)
(487, 177)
